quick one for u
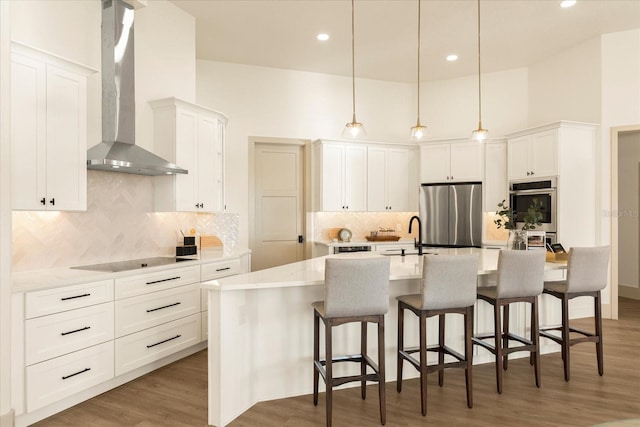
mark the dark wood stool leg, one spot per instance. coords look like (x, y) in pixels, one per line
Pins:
(363, 364)
(423, 363)
(400, 346)
(566, 335)
(505, 333)
(599, 350)
(535, 338)
(468, 353)
(381, 371)
(329, 369)
(441, 319)
(498, 344)
(316, 355)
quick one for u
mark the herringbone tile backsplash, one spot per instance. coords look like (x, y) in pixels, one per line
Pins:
(119, 224)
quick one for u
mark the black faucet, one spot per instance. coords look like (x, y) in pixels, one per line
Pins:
(417, 243)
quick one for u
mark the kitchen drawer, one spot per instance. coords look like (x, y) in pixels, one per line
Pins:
(51, 301)
(144, 347)
(145, 311)
(150, 282)
(58, 378)
(215, 270)
(50, 336)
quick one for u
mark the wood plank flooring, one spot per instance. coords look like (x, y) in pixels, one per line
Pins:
(176, 395)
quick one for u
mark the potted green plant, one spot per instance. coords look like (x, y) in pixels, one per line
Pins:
(505, 219)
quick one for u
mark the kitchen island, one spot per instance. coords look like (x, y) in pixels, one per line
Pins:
(261, 328)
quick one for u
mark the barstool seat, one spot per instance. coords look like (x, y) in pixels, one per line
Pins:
(448, 286)
(356, 290)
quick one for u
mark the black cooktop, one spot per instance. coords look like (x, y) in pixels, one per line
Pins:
(134, 264)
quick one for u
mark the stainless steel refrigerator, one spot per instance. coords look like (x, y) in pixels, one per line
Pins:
(451, 214)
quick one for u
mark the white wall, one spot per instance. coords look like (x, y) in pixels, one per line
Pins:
(566, 86)
(628, 205)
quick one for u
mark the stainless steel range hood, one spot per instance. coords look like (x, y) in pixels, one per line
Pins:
(117, 152)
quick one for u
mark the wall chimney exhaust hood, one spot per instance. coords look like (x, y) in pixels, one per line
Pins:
(117, 152)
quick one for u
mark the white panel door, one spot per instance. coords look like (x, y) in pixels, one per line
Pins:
(66, 140)
(544, 153)
(435, 163)
(377, 179)
(518, 157)
(187, 158)
(401, 190)
(466, 162)
(355, 177)
(278, 206)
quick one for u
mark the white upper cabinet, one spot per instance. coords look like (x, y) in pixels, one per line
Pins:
(340, 176)
(451, 162)
(391, 183)
(48, 131)
(192, 137)
(495, 187)
(533, 155)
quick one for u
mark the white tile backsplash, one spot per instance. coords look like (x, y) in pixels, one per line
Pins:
(119, 224)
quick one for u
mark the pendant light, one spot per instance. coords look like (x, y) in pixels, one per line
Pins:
(353, 129)
(479, 134)
(418, 131)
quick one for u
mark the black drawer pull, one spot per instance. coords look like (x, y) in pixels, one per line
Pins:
(77, 330)
(77, 373)
(162, 342)
(74, 297)
(223, 269)
(165, 306)
(163, 280)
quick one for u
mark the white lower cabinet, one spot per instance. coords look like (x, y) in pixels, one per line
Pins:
(53, 380)
(150, 345)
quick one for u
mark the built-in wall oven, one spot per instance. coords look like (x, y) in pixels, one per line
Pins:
(522, 194)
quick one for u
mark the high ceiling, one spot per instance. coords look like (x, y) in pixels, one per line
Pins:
(514, 33)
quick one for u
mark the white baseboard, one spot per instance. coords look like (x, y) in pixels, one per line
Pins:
(6, 420)
(629, 292)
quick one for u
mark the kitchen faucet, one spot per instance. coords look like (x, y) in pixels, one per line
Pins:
(417, 243)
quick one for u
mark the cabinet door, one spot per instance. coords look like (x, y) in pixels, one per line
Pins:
(66, 140)
(207, 157)
(435, 162)
(544, 153)
(466, 162)
(377, 177)
(355, 177)
(187, 157)
(402, 191)
(332, 177)
(28, 133)
(495, 181)
(518, 157)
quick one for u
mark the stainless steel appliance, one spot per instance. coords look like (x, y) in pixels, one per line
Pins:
(451, 214)
(522, 194)
(348, 249)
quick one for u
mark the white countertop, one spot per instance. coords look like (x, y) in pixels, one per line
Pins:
(363, 242)
(52, 278)
(311, 271)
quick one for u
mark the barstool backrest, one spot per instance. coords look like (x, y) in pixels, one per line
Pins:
(587, 269)
(356, 286)
(449, 281)
(520, 273)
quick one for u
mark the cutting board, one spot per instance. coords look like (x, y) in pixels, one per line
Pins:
(210, 241)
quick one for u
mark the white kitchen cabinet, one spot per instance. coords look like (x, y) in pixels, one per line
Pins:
(533, 155)
(452, 161)
(192, 137)
(48, 131)
(391, 183)
(340, 176)
(495, 188)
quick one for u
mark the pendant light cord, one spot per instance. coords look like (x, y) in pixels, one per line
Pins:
(479, 82)
(353, 61)
(419, 62)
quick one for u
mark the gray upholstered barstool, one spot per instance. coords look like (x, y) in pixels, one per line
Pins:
(449, 284)
(587, 271)
(520, 279)
(356, 290)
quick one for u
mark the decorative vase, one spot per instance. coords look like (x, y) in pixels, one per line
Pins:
(517, 240)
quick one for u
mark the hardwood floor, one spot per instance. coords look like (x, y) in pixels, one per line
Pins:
(176, 395)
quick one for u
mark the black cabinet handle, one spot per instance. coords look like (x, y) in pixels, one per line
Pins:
(53, 201)
(74, 331)
(74, 297)
(164, 341)
(163, 280)
(77, 373)
(164, 306)
(223, 269)
(43, 201)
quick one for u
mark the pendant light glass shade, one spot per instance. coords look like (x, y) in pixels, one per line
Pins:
(479, 134)
(418, 131)
(354, 129)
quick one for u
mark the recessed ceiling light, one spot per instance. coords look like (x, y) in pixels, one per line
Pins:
(452, 57)
(567, 3)
(322, 37)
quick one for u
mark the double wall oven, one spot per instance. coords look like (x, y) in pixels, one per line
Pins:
(521, 195)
